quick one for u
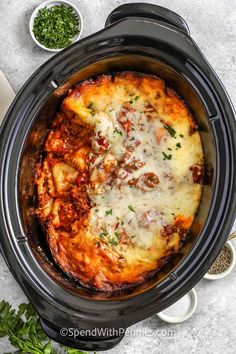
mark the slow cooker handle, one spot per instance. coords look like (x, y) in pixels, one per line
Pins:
(148, 11)
(70, 338)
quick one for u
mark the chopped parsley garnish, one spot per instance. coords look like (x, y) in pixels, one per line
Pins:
(109, 212)
(117, 234)
(169, 149)
(112, 109)
(131, 139)
(170, 130)
(181, 135)
(90, 105)
(116, 131)
(96, 210)
(122, 223)
(134, 99)
(113, 242)
(55, 26)
(166, 157)
(103, 234)
(178, 146)
(133, 236)
(131, 208)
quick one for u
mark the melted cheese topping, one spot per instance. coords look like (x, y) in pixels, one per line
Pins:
(121, 183)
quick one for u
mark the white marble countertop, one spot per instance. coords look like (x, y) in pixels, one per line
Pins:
(213, 26)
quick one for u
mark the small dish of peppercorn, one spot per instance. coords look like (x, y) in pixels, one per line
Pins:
(54, 25)
(223, 264)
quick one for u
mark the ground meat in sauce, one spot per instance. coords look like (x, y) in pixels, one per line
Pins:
(197, 173)
(169, 230)
(145, 182)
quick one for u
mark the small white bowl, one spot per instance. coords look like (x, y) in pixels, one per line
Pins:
(186, 315)
(51, 3)
(229, 269)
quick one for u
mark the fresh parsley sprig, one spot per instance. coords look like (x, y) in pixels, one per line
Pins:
(24, 332)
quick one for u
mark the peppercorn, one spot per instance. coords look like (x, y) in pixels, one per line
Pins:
(222, 262)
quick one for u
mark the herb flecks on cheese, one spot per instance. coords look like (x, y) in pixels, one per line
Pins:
(143, 163)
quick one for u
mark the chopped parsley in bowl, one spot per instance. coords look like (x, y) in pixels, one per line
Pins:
(55, 25)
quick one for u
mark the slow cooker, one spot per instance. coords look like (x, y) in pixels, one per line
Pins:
(139, 37)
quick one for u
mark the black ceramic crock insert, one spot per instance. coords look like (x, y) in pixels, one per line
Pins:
(144, 38)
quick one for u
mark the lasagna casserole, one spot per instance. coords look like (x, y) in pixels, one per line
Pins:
(119, 182)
